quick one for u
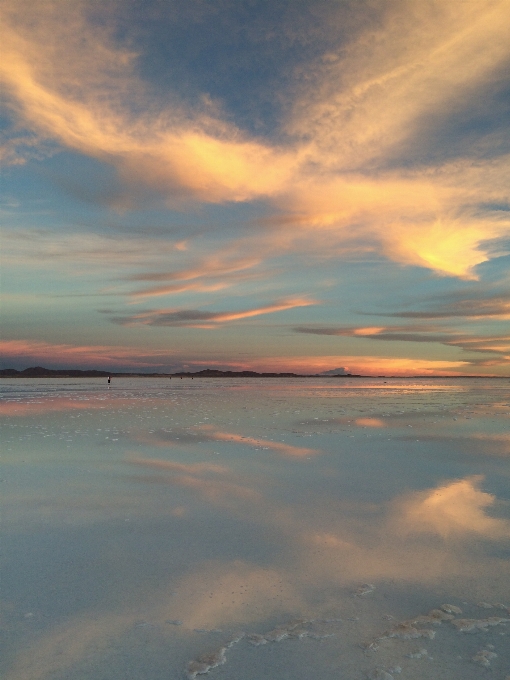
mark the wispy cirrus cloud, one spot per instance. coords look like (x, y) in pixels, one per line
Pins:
(279, 447)
(212, 273)
(491, 307)
(349, 155)
(360, 331)
(493, 344)
(205, 319)
(197, 287)
(215, 265)
(214, 483)
(87, 105)
(43, 247)
(209, 433)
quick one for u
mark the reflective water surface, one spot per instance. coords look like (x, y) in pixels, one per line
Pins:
(247, 529)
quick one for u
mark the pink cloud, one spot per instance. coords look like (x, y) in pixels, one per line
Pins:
(82, 355)
(279, 447)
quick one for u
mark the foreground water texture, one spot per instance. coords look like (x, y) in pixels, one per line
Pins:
(249, 529)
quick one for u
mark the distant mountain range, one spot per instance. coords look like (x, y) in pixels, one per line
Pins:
(40, 372)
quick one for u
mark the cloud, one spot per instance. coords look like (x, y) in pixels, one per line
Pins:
(85, 356)
(196, 477)
(495, 307)
(81, 251)
(493, 344)
(197, 287)
(220, 579)
(214, 265)
(456, 512)
(422, 219)
(490, 344)
(373, 97)
(279, 447)
(457, 508)
(208, 433)
(347, 331)
(202, 319)
(337, 168)
(85, 104)
(14, 409)
(370, 422)
(226, 265)
(372, 94)
(322, 555)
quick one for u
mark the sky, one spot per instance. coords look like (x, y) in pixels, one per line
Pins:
(316, 186)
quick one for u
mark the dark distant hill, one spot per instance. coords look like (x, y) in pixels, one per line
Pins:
(40, 372)
(214, 373)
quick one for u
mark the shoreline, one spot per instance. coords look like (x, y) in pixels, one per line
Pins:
(40, 372)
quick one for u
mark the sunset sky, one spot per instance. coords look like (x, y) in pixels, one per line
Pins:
(304, 185)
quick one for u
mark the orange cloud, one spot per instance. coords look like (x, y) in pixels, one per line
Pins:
(410, 219)
(84, 106)
(494, 344)
(371, 330)
(454, 509)
(14, 408)
(370, 422)
(158, 291)
(450, 245)
(209, 433)
(203, 319)
(353, 113)
(371, 95)
(218, 264)
(279, 447)
(214, 272)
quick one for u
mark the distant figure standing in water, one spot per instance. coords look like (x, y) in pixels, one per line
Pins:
(109, 379)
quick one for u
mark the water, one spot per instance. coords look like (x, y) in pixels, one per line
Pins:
(252, 529)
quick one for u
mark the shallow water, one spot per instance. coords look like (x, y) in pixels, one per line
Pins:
(248, 529)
